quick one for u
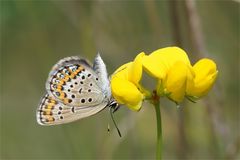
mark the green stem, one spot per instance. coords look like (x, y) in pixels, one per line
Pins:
(159, 129)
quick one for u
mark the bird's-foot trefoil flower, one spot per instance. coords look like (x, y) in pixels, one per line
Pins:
(171, 67)
(125, 84)
(176, 79)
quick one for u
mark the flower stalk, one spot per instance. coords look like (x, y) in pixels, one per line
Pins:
(156, 103)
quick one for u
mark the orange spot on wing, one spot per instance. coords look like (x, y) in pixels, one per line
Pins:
(50, 119)
(65, 101)
(52, 101)
(50, 105)
(61, 82)
(79, 69)
(62, 95)
(46, 110)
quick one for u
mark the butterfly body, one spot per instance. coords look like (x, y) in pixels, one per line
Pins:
(75, 90)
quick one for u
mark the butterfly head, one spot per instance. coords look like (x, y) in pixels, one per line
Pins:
(113, 105)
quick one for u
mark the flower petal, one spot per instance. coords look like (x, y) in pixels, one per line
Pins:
(160, 61)
(135, 69)
(205, 76)
(175, 82)
(122, 67)
(125, 92)
(122, 71)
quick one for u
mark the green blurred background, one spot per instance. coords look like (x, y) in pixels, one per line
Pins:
(36, 34)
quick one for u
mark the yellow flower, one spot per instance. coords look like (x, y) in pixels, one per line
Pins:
(172, 68)
(205, 76)
(125, 84)
(176, 77)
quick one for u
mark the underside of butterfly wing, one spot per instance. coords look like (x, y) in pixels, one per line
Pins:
(74, 91)
(52, 112)
(100, 69)
(75, 84)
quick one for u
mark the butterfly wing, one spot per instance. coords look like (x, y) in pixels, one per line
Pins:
(100, 69)
(75, 83)
(74, 87)
(53, 112)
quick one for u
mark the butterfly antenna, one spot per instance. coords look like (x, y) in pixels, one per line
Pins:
(111, 113)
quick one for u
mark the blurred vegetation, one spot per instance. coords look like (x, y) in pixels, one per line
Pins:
(36, 34)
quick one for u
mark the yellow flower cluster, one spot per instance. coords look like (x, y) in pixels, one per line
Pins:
(176, 77)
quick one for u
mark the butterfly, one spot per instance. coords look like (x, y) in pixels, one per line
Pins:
(75, 89)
